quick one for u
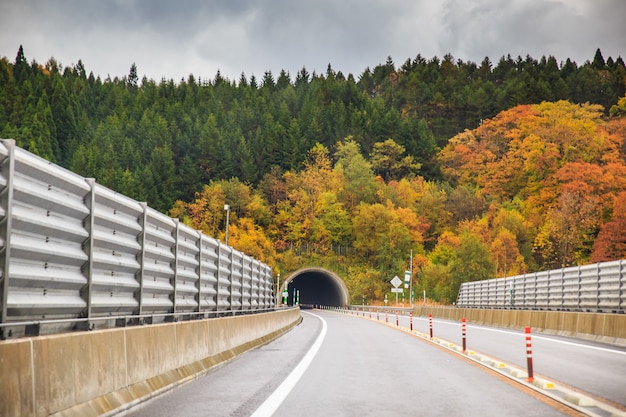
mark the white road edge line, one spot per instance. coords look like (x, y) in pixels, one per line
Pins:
(274, 401)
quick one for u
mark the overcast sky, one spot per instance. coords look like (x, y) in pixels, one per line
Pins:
(174, 38)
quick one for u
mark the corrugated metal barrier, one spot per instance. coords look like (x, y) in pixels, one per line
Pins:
(74, 254)
(597, 287)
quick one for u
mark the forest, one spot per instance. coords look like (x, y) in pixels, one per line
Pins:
(479, 170)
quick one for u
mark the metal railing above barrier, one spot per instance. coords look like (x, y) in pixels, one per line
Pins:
(599, 287)
(73, 249)
(52, 326)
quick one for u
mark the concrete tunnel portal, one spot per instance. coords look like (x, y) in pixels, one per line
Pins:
(317, 286)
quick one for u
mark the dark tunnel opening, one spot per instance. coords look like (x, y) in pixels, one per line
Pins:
(317, 287)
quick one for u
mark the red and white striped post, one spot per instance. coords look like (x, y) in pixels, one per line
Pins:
(529, 356)
(464, 333)
(386, 316)
(396, 318)
(410, 320)
(430, 324)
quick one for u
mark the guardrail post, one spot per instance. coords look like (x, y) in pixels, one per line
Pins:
(175, 268)
(199, 272)
(579, 289)
(598, 287)
(230, 280)
(621, 285)
(243, 280)
(6, 204)
(87, 268)
(218, 274)
(535, 290)
(251, 279)
(141, 257)
(562, 288)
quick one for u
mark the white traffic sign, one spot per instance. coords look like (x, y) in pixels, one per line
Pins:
(397, 290)
(396, 281)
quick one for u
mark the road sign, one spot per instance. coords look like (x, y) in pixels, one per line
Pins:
(396, 281)
(407, 278)
(397, 290)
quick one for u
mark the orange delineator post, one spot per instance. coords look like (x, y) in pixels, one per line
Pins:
(464, 333)
(411, 320)
(529, 356)
(430, 324)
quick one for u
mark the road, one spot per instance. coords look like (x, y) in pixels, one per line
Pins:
(595, 368)
(352, 367)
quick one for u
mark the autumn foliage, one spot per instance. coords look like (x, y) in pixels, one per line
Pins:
(536, 187)
(562, 164)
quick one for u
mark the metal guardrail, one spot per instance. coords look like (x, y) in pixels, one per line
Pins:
(73, 249)
(597, 287)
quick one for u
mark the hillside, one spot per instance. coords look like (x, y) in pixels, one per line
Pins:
(479, 170)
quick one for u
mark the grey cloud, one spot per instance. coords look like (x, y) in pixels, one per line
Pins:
(173, 39)
(493, 28)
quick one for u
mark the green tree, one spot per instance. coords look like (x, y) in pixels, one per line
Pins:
(360, 184)
(62, 110)
(133, 77)
(244, 166)
(387, 160)
(380, 237)
(472, 262)
(331, 225)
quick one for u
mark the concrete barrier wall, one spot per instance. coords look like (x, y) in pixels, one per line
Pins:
(101, 372)
(610, 328)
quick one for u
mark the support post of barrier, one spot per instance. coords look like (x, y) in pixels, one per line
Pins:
(430, 324)
(370, 313)
(529, 356)
(396, 318)
(386, 316)
(410, 320)
(377, 315)
(464, 333)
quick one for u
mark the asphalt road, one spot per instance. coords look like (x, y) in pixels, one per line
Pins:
(352, 367)
(591, 367)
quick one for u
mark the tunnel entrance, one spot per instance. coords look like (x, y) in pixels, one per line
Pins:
(316, 286)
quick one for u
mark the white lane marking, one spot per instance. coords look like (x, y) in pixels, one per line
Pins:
(274, 401)
(534, 336)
